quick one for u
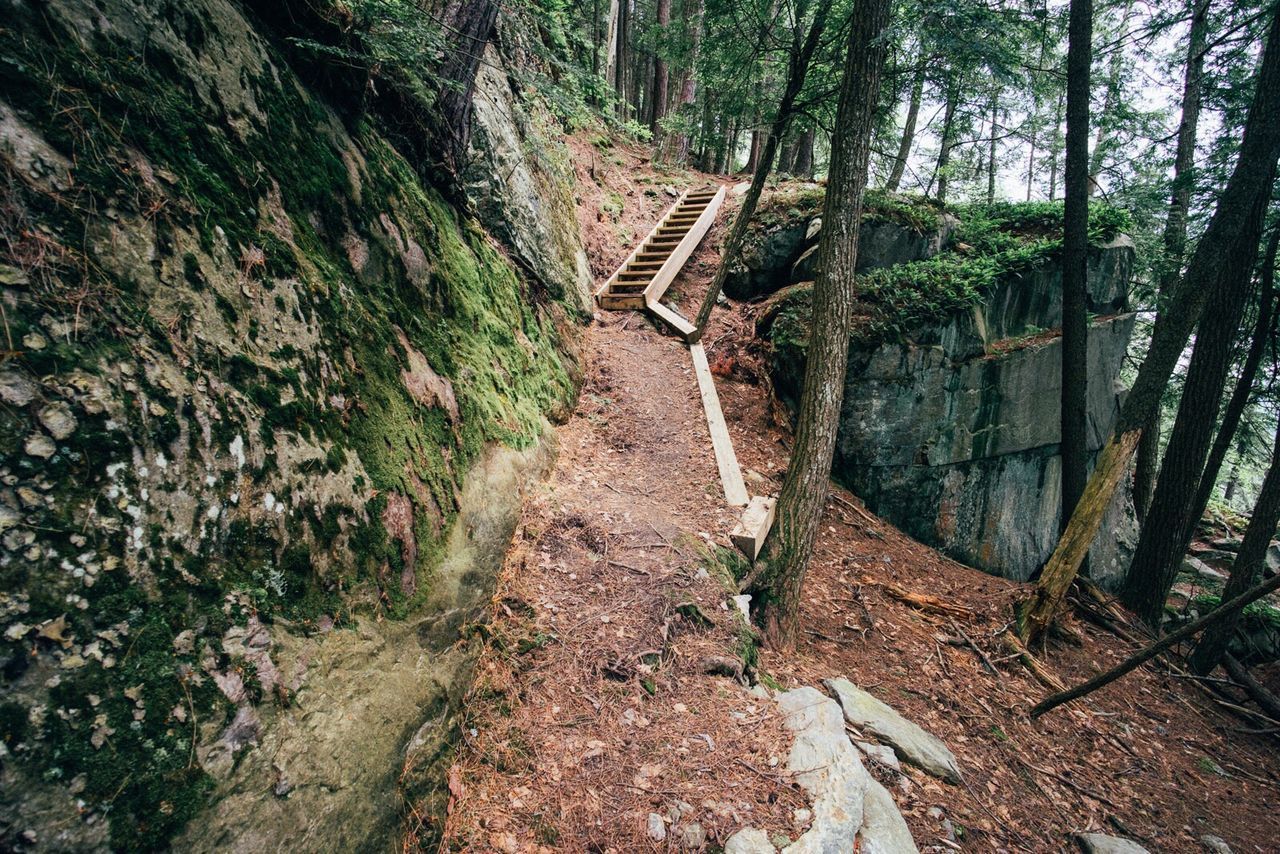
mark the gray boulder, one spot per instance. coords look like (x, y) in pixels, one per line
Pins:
(1100, 843)
(911, 743)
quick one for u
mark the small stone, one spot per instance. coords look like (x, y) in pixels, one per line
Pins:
(29, 497)
(801, 816)
(40, 445)
(749, 841)
(13, 277)
(1101, 843)
(34, 341)
(881, 754)
(58, 420)
(692, 836)
(656, 827)
(1216, 844)
(16, 389)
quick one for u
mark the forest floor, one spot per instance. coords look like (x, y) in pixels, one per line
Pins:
(593, 707)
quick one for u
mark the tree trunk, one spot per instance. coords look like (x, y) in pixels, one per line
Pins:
(661, 73)
(471, 22)
(611, 45)
(1110, 95)
(620, 62)
(678, 149)
(757, 142)
(1263, 327)
(946, 143)
(804, 154)
(991, 149)
(1175, 231)
(908, 131)
(1075, 262)
(1166, 533)
(1227, 248)
(804, 491)
(1054, 142)
(1247, 567)
(801, 54)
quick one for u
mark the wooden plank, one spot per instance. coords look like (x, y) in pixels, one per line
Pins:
(735, 491)
(754, 526)
(664, 277)
(639, 246)
(682, 327)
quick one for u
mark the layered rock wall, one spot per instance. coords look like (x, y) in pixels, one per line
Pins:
(269, 404)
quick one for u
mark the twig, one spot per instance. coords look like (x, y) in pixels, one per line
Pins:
(1071, 784)
(973, 646)
(635, 569)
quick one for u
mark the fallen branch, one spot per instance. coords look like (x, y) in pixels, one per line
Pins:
(923, 601)
(1019, 651)
(973, 646)
(1135, 661)
(1266, 701)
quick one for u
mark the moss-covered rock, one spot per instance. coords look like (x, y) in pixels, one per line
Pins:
(254, 357)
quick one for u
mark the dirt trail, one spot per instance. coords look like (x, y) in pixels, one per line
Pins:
(594, 707)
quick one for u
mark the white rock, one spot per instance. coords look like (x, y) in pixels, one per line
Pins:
(1216, 844)
(815, 227)
(58, 420)
(1100, 843)
(40, 445)
(880, 753)
(16, 389)
(749, 841)
(909, 741)
(827, 766)
(656, 827)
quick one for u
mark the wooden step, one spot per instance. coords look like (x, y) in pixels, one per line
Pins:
(654, 256)
(643, 265)
(672, 231)
(638, 276)
(628, 288)
(674, 319)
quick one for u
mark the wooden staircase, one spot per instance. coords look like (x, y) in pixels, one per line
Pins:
(652, 266)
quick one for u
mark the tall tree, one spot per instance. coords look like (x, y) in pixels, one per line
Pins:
(805, 488)
(677, 146)
(1248, 565)
(942, 172)
(1174, 237)
(803, 46)
(1224, 253)
(908, 130)
(1075, 260)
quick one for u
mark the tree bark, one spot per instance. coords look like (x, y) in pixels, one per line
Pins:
(1263, 328)
(1174, 237)
(661, 73)
(1228, 245)
(908, 131)
(804, 490)
(1166, 533)
(472, 22)
(946, 143)
(1075, 261)
(991, 149)
(1247, 567)
(804, 154)
(611, 44)
(801, 54)
(1053, 149)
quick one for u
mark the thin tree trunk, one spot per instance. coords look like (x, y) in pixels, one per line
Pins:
(908, 131)
(801, 54)
(1170, 521)
(678, 149)
(661, 73)
(991, 150)
(1075, 262)
(804, 154)
(1175, 231)
(611, 44)
(944, 152)
(1263, 327)
(1031, 163)
(757, 142)
(1054, 142)
(1110, 95)
(804, 491)
(1222, 255)
(1247, 566)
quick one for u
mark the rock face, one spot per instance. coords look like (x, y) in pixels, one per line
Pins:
(784, 253)
(263, 450)
(952, 434)
(951, 431)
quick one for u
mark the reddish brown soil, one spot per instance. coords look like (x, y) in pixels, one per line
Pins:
(593, 708)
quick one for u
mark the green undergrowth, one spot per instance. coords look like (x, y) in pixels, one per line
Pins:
(992, 243)
(788, 204)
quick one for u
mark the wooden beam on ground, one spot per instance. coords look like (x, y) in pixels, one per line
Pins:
(754, 526)
(682, 327)
(735, 491)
